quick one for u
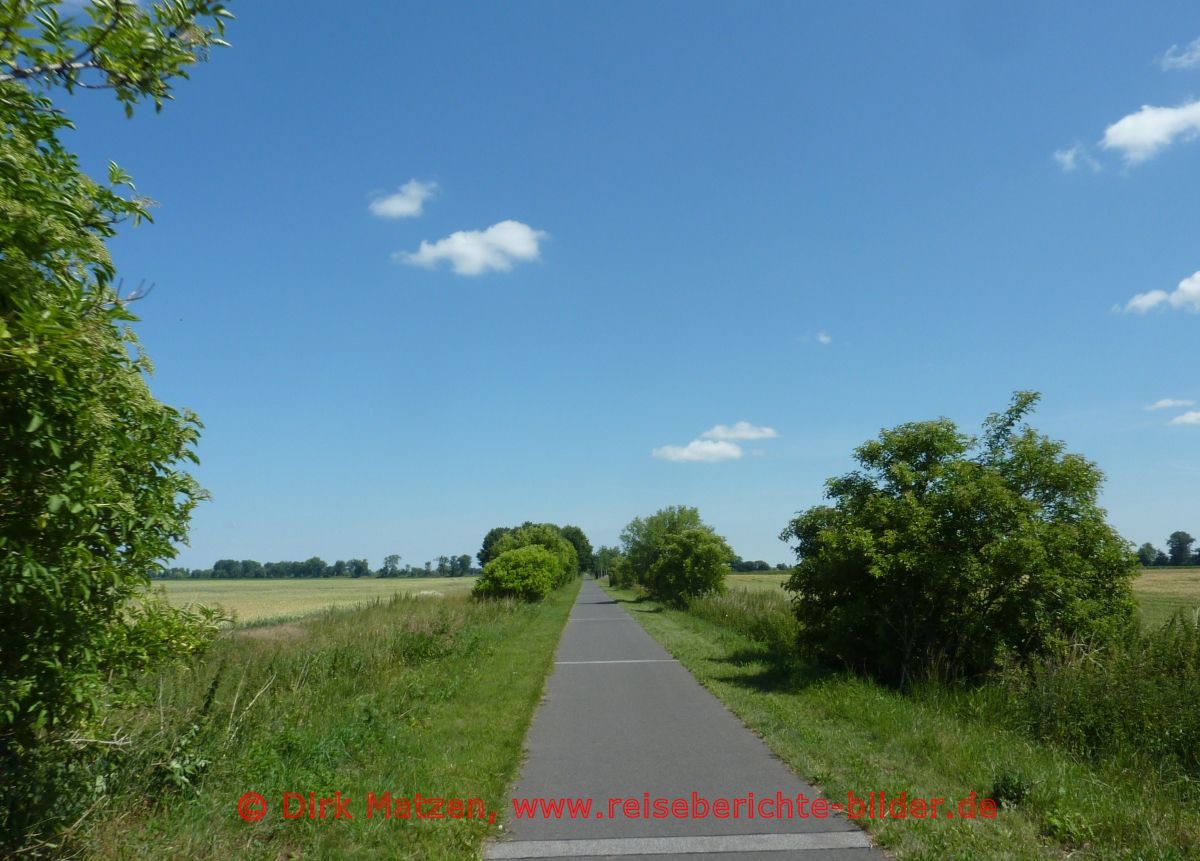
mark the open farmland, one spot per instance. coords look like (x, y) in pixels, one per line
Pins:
(761, 580)
(259, 600)
(1160, 591)
(1163, 591)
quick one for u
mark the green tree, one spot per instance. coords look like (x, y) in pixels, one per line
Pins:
(528, 572)
(946, 551)
(583, 547)
(643, 540)
(391, 566)
(1147, 553)
(1179, 548)
(545, 535)
(486, 553)
(93, 490)
(607, 559)
(690, 563)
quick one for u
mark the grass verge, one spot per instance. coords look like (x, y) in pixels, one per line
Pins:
(407, 696)
(847, 734)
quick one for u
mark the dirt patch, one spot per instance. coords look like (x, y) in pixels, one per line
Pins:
(285, 632)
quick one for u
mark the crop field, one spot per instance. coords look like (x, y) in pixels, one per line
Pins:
(760, 580)
(1163, 591)
(259, 600)
(1160, 591)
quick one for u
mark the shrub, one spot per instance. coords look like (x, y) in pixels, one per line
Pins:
(948, 552)
(690, 563)
(548, 537)
(528, 573)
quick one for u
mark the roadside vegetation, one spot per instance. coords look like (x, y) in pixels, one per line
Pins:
(94, 488)
(962, 618)
(848, 733)
(530, 560)
(406, 696)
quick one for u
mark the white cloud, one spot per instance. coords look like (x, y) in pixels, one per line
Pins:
(408, 202)
(1192, 418)
(473, 252)
(1141, 135)
(1070, 159)
(1181, 58)
(699, 451)
(1168, 403)
(741, 430)
(1185, 296)
(824, 338)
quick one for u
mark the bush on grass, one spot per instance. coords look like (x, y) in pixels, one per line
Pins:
(528, 573)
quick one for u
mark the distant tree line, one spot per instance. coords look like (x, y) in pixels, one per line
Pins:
(1179, 552)
(743, 566)
(249, 569)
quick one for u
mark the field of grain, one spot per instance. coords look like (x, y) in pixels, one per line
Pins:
(1160, 591)
(258, 600)
(757, 580)
(1163, 591)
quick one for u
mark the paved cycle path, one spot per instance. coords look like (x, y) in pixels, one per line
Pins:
(619, 719)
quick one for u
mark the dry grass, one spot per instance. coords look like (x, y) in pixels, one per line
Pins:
(757, 581)
(256, 601)
(1160, 591)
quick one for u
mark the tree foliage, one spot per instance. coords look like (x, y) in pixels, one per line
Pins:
(93, 490)
(690, 563)
(487, 552)
(545, 535)
(1179, 548)
(583, 547)
(528, 572)
(686, 571)
(946, 551)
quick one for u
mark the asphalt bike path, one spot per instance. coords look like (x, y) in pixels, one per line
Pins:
(620, 718)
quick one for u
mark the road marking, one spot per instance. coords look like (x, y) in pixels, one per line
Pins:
(697, 845)
(605, 619)
(637, 661)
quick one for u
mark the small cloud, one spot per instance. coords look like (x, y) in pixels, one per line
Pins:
(824, 338)
(1169, 403)
(741, 430)
(1192, 418)
(473, 252)
(1185, 296)
(1070, 159)
(1142, 135)
(699, 451)
(1181, 58)
(408, 202)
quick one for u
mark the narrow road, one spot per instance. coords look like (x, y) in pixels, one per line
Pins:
(621, 719)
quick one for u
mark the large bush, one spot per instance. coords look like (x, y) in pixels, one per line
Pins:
(94, 491)
(528, 573)
(691, 563)
(673, 554)
(547, 536)
(946, 552)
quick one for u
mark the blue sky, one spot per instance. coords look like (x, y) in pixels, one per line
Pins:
(642, 221)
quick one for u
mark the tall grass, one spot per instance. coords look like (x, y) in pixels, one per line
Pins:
(1136, 699)
(404, 696)
(763, 615)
